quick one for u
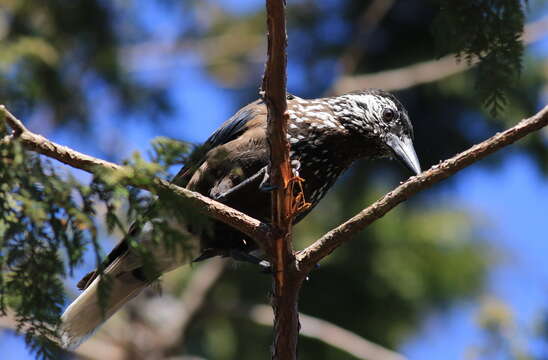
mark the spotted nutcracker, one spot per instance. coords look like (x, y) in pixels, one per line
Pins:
(326, 135)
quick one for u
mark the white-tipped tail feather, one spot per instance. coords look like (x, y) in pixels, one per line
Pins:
(85, 314)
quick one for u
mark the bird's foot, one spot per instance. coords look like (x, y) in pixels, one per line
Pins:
(265, 184)
(265, 266)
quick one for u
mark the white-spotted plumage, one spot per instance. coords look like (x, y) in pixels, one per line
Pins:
(325, 135)
(315, 123)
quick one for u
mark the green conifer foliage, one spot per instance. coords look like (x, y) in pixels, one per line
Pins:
(489, 31)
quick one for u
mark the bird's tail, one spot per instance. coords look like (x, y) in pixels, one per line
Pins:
(123, 279)
(86, 313)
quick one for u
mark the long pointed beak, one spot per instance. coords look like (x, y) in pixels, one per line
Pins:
(404, 151)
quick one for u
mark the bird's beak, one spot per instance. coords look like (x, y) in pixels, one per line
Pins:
(404, 152)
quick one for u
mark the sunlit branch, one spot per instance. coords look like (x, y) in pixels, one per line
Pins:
(336, 237)
(424, 72)
(331, 334)
(34, 142)
(287, 281)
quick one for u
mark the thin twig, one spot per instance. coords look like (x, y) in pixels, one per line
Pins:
(336, 237)
(331, 334)
(254, 228)
(424, 72)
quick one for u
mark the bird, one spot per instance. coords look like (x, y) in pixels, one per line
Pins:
(326, 135)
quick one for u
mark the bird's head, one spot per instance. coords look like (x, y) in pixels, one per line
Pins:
(380, 118)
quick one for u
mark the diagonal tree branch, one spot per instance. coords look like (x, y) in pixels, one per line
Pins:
(368, 21)
(194, 297)
(286, 305)
(252, 227)
(425, 72)
(326, 244)
(330, 334)
(164, 321)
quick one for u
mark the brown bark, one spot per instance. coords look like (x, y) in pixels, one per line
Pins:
(424, 72)
(287, 280)
(254, 228)
(330, 334)
(336, 237)
(289, 271)
(295, 271)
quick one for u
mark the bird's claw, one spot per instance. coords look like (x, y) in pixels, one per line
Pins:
(265, 266)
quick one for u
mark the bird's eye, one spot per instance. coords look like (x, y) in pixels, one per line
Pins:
(388, 114)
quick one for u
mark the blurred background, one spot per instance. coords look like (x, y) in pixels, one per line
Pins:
(457, 272)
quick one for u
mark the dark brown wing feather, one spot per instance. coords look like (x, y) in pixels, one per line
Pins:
(220, 157)
(228, 131)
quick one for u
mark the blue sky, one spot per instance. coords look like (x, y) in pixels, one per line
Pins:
(511, 200)
(510, 203)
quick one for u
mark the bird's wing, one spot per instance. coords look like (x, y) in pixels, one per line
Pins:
(228, 131)
(124, 279)
(123, 266)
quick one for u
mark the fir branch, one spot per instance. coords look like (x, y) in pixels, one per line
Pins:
(489, 31)
(427, 71)
(253, 228)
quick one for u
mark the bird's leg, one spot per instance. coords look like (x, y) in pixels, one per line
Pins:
(240, 255)
(246, 182)
(265, 185)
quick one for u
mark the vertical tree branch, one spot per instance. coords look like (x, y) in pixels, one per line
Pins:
(330, 334)
(287, 279)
